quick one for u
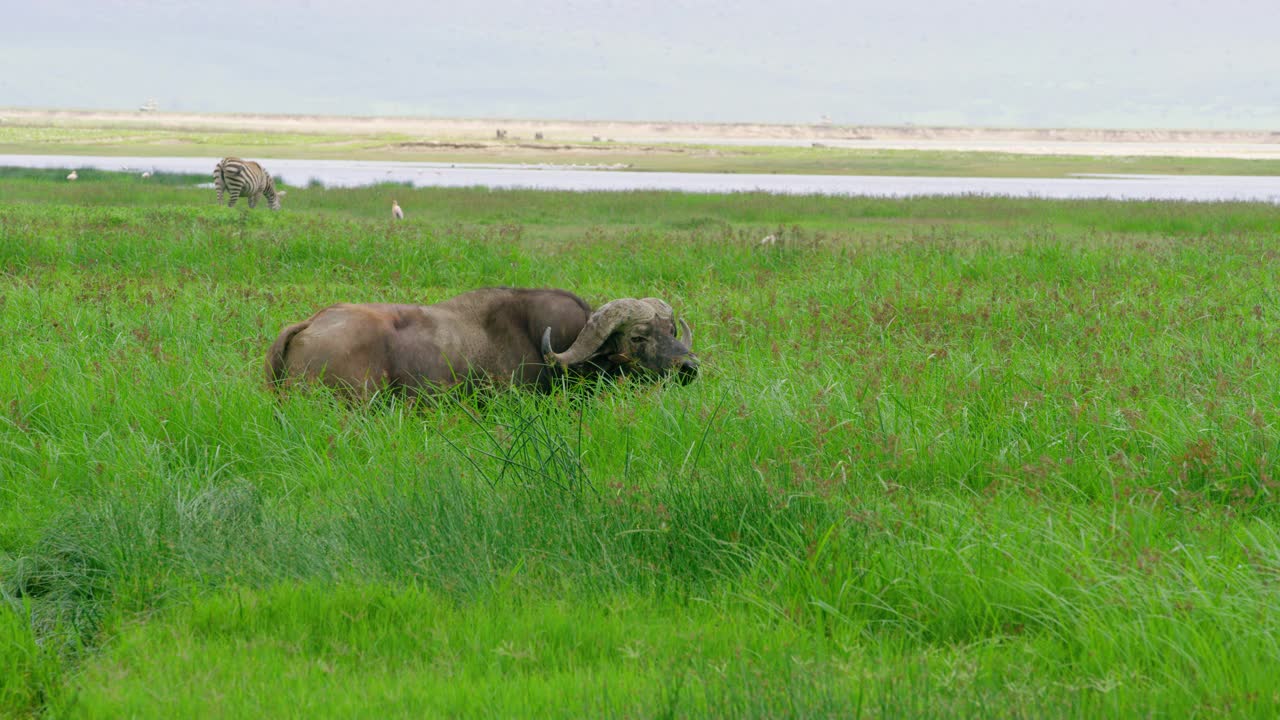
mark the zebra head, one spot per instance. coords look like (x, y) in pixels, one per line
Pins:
(274, 196)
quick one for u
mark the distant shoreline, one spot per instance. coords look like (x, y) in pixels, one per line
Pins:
(1241, 144)
(341, 173)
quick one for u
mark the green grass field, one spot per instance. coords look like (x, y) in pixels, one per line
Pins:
(946, 458)
(639, 157)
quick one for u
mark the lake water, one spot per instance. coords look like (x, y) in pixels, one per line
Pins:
(354, 173)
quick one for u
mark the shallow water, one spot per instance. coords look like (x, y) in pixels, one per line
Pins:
(354, 173)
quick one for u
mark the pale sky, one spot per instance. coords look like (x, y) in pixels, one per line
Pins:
(1075, 63)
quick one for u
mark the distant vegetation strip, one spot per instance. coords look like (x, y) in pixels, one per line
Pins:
(637, 156)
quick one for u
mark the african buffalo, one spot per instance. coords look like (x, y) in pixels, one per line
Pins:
(489, 336)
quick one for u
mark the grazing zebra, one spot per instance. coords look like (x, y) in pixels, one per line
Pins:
(245, 177)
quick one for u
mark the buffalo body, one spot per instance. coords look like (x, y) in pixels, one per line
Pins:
(523, 337)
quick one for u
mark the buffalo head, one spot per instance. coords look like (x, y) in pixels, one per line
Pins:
(629, 336)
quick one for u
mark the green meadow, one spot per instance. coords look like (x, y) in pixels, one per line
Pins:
(947, 457)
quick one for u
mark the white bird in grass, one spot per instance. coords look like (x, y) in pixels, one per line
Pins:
(396, 212)
(73, 175)
(146, 175)
(769, 240)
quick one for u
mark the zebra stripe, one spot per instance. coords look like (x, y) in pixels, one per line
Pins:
(244, 177)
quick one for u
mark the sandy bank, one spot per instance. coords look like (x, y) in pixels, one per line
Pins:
(1047, 141)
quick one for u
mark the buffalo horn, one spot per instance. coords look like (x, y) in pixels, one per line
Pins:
(600, 326)
(660, 308)
(547, 353)
(687, 333)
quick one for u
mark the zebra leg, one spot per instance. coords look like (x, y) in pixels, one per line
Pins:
(253, 201)
(233, 195)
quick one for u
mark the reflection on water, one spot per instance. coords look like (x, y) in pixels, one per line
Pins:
(353, 173)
